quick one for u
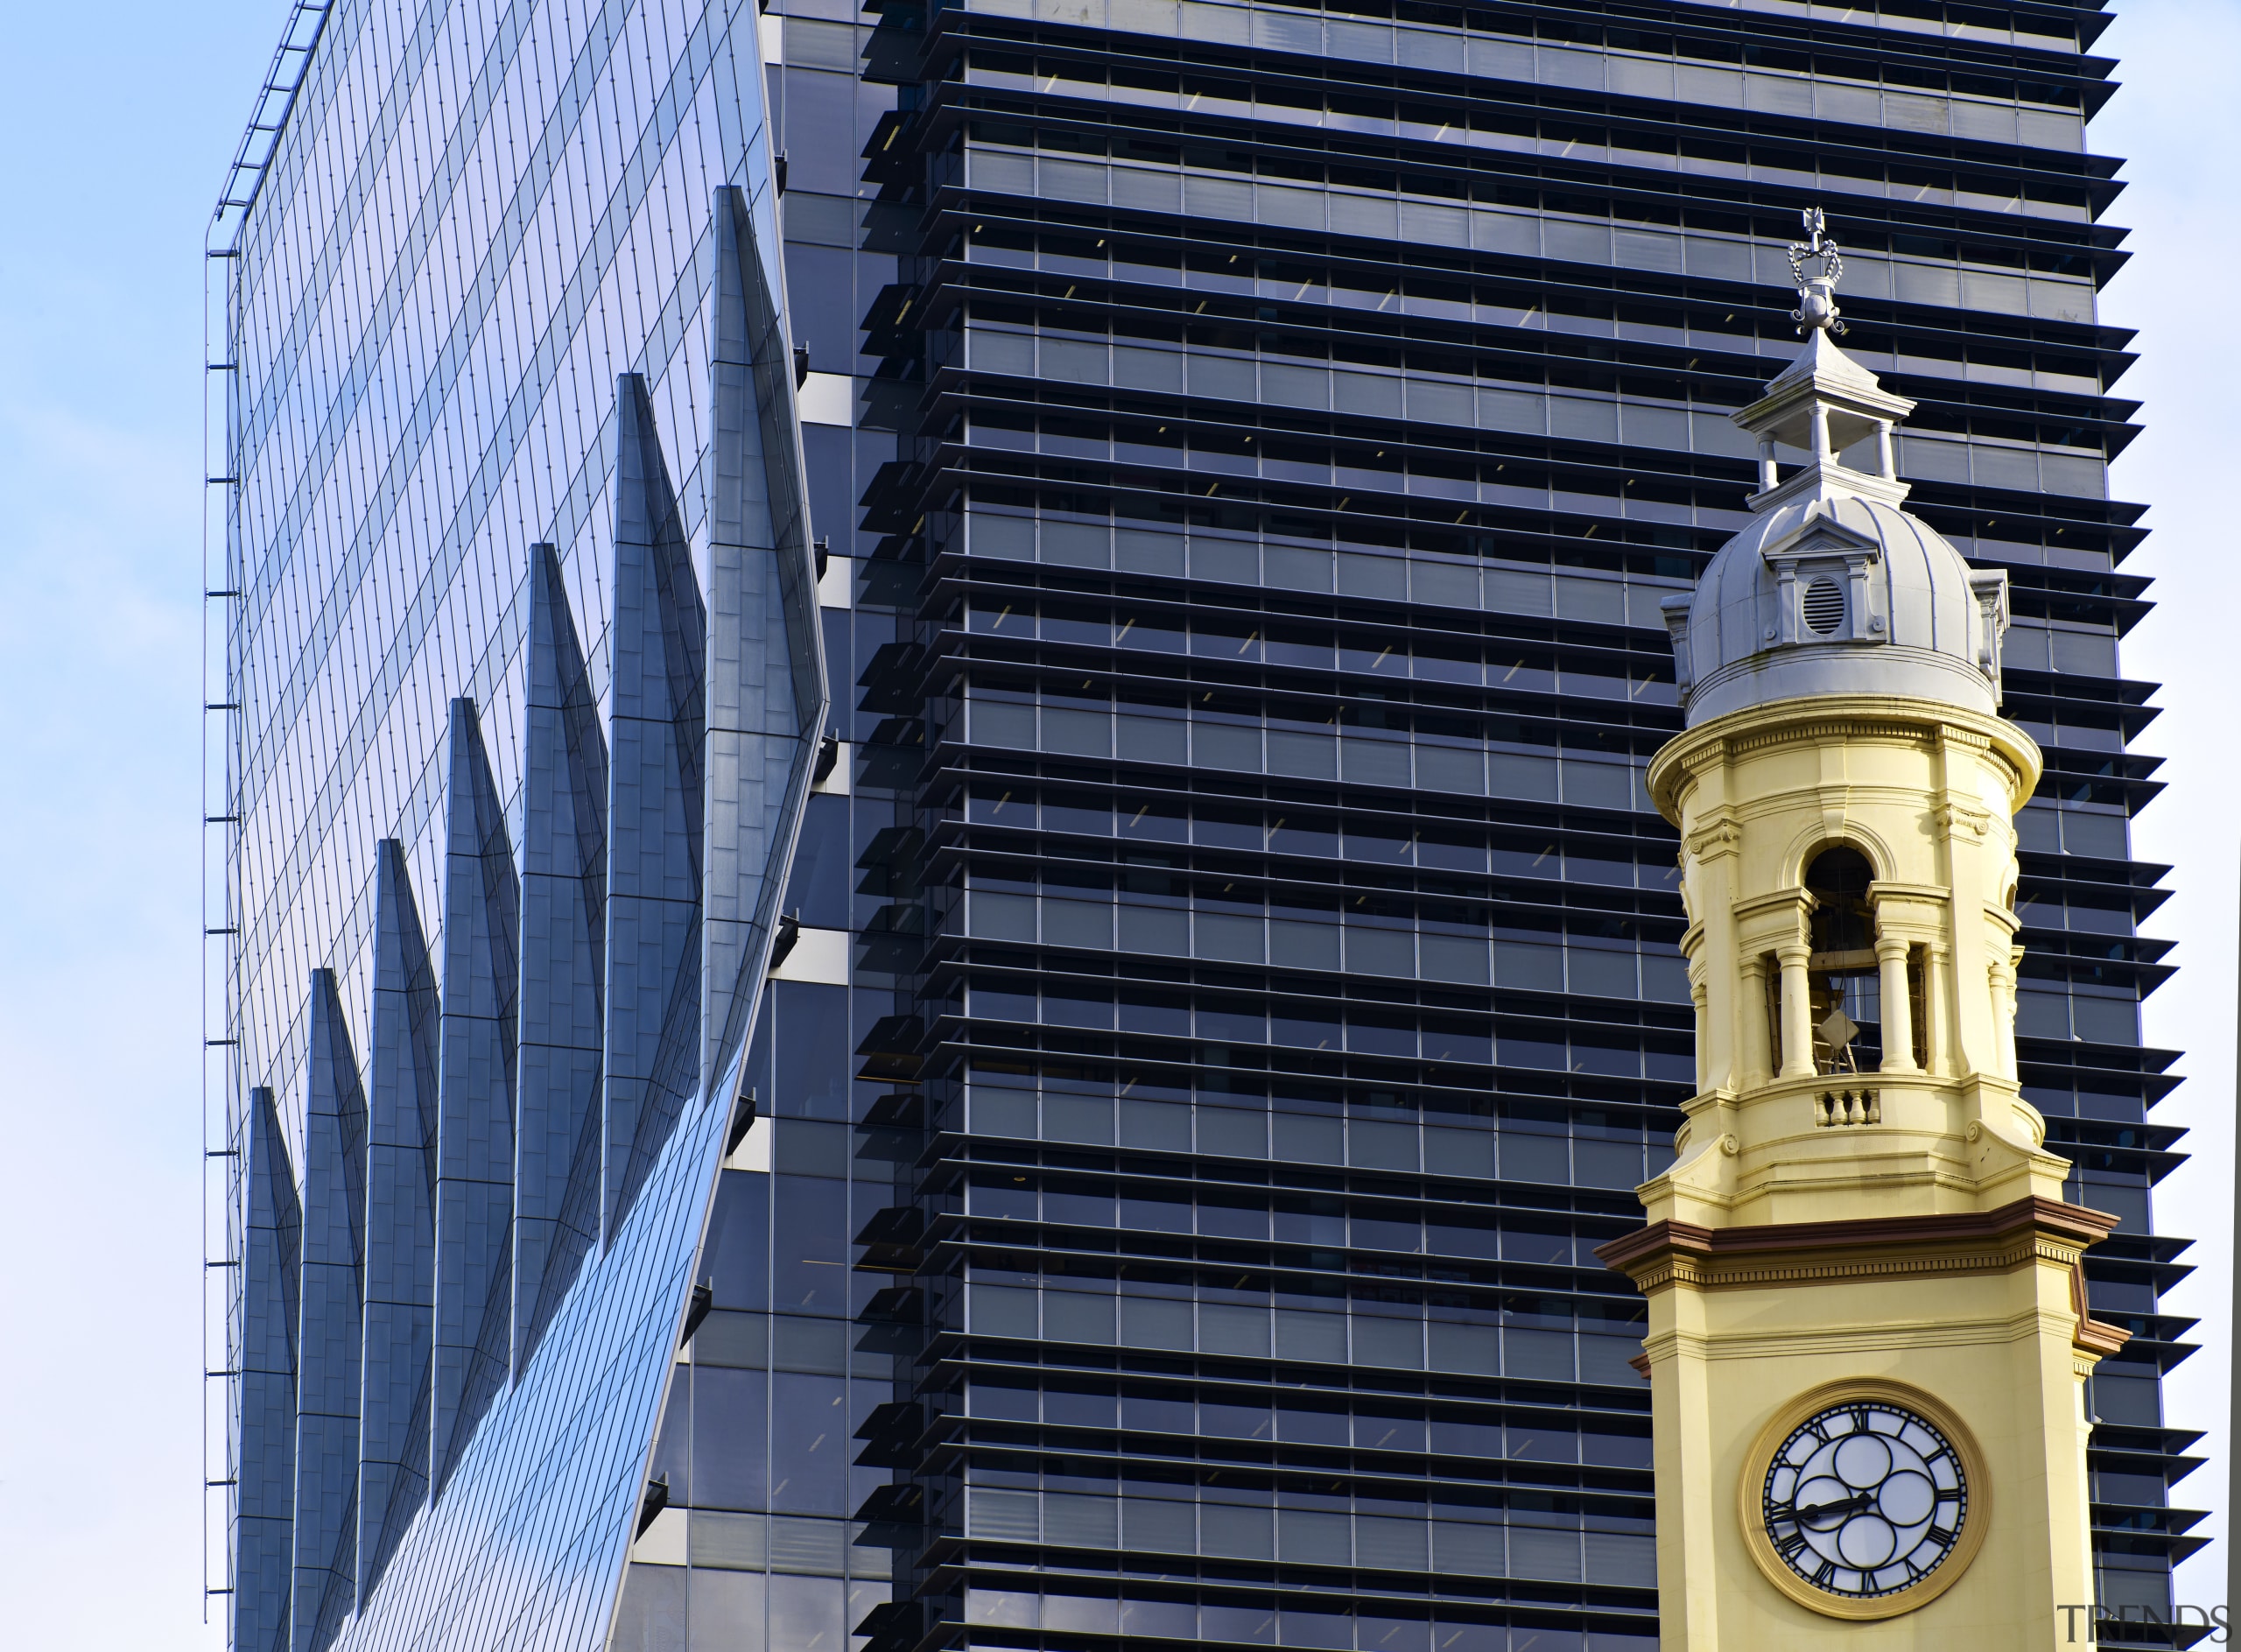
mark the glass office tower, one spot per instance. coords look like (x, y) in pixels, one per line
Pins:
(1225, 983)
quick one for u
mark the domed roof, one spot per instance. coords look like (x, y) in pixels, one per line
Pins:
(1835, 588)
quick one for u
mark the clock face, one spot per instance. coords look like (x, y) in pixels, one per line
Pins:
(1864, 1499)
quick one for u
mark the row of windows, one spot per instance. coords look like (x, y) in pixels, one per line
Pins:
(1545, 1158)
(777, 1440)
(1563, 1439)
(1260, 287)
(1931, 22)
(1362, 1031)
(1946, 456)
(1246, 639)
(1370, 725)
(1443, 135)
(966, 482)
(2040, 828)
(1300, 1280)
(1337, 92)
(1312, 1538)
(1609, 543)
(994, 1615)
(1226, 1078)
(1778, 44)
(1454, 586)
(1444, 847)
(1760, 41)
(1512, 845)
(1570, 529)
(805, 1545)
(2080, 1015)
(1388, 1340)
(1493, 214)
(1378, 911)
(1307, 943)
(2073, 732)
(2084, 1101)
(706, 1603)
(1386, 758)
(1290, 379)
(1303, 1218)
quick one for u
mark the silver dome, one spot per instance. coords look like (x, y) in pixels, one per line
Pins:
(1835, 588)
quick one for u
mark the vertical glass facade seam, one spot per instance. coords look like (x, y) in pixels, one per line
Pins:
(1182, 970)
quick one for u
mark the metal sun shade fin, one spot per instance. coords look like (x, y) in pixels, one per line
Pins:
(562, 963)
(401, 1117)
(265, 1470)
(474, 1126)
(657, 641)
(330, 1342)
(766, 699)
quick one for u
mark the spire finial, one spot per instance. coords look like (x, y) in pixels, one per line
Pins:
(1817, 296)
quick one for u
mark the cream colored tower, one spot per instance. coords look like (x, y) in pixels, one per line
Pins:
(1868, 1335)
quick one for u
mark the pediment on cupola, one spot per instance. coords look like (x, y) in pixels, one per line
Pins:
(1820, 537)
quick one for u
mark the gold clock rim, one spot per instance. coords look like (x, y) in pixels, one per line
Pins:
(1974, 1522)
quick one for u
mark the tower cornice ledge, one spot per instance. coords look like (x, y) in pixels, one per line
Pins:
(2028, 1229)
(1689, 757)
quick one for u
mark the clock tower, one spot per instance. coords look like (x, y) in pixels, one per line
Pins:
(1868, 1326)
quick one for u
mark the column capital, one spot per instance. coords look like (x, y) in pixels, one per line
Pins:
(1717, 834)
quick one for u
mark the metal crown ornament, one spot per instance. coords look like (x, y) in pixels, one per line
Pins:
(1816, 295)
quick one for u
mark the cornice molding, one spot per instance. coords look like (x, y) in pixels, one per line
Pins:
(2094, 1336)
(1841, 717)
(1828, 726)
(2032, 1228)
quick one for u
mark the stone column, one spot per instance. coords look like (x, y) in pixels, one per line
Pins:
(1768, 471)
(1699, 996)
(1756, 1057)
(1797, 1013)
(1898, 1013)
(2003, 990)
(1936, 1031)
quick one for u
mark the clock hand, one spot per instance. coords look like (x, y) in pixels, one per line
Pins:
(1815, 1515)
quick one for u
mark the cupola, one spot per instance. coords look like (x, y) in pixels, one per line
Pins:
(1834, 587)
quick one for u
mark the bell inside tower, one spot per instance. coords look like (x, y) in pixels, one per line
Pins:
(1845, 976)
(1844, 1003)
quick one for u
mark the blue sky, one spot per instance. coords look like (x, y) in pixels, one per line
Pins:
(2178, 122)
(118, 132)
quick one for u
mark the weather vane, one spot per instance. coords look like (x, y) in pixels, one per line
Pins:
(1817, 297)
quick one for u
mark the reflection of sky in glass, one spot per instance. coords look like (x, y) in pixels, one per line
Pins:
(429, 330)
(403, 435)
(526, 1545)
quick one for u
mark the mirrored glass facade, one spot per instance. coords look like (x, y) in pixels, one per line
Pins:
(524, 687)
(1126, 1164)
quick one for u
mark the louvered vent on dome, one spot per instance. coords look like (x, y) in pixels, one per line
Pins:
(1825, 606)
